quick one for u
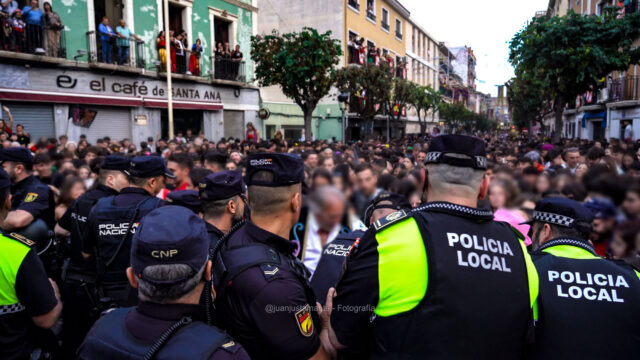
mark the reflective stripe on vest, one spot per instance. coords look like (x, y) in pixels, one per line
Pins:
(11, 257)
(534, 281)
(402, 268)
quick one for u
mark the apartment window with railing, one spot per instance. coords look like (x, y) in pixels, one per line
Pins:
(371, 10)
(399, 29)
(354, 4)
(385, 19)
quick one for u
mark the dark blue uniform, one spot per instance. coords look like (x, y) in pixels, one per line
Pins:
(262, 305)
(35, 198)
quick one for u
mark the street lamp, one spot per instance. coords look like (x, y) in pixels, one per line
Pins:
(343, 98)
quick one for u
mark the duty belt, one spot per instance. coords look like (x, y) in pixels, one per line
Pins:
(10, 309)
(72, 275)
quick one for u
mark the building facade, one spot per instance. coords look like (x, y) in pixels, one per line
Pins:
(89, 86)
(423, 57)
(375, 24)
(600, 114)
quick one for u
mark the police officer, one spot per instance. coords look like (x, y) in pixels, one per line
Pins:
(32, 200)
(169, 267)
(112, 222)
(189, 199)
(221, 198)
(79, 274)
(587, 306)
(214, 161)
(26, 295)
(262, 294)
(443, 281)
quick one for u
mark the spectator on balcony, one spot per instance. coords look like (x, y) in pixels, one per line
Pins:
(124, 41)
(181, 59)
(161, 46)
(23, 138)
(236, 57)
(9, 6)
(172, 50)
(17, 31)
(34, 19)
(219, 61)
(106, 34)
(52, 26)
(194, 58)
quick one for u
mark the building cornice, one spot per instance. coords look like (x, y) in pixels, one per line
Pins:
(243, 5)
(397, 6)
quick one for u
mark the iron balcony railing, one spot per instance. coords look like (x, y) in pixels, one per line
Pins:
(229, 69)
(127, 52)
(371, 15)
(624, 89)
(354, 4)
(35, 40)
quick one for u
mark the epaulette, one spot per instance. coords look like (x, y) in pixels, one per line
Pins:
(20, 238)
(519, 235)
(390, 219)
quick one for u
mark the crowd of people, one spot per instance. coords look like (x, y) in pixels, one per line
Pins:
(345, 189)
(32, 29)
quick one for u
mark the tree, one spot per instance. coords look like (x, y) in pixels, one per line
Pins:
(302, 64)
(399, 98)
(456, 114)
(526, 100)
(572, 53)
(369, 85)
(423, 99)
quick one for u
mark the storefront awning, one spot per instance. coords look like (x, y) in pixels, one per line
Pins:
(67, 98)
(594, 115)
(178, 104)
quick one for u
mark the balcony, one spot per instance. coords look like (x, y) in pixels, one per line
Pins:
(399, 35)
(371, 16)
(354, 4)
(624, 89)
(35, 41)
(124, 52)
(385, 26)
(229, 69)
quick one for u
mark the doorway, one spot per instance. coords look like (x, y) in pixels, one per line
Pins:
(113, 10)
(598, 131)
(221, 31)
(182, 120)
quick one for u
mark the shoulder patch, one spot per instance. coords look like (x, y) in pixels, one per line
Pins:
(390, 219)
(20, 238)
(269, 271)
(304, 320)
(30, 197)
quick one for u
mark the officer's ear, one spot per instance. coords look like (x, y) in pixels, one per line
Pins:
(296, 202)
(133, 280)
(231, 205)
(484, 187)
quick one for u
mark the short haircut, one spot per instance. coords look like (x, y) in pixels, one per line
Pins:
(363, 167)
(41, 158)
(214, 209)
(197, 174)
(138, 181)
(595, 153)
(147, 291)
(183, 159)
(580, 230)
(444, 178)
(266, 200)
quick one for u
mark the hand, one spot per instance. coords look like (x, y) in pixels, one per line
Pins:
(325, 312)
(6, 109)
(56, 291)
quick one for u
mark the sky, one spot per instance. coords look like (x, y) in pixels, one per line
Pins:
(486, 26)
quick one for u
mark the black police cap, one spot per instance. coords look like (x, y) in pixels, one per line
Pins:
(215, 157)
(221, 185)
(393, 201)
(116, 162)
(470, 146)
(16, 154)
(287, 169)
(561, 211)
(149, 166)
(185, 198)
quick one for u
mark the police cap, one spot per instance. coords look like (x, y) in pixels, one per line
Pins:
(16, 154)
(185, 198)
(287, 169)
(393, 201)
(601, 208)
(5, 181)
(470, 146)
(560, 211)
(169, 235)
(215, 157)
(149, 166)
(115, 162)
(221, 185)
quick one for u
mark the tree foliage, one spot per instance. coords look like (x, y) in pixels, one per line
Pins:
(423, 99)
(459, 118)
(526, 100)
(400, 96)
(571, 54)
(301, 63)
(369, 85)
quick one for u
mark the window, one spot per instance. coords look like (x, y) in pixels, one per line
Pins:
(399, 29)
(354, 48)
(385, 19)
(371, 10)
(354, 4)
